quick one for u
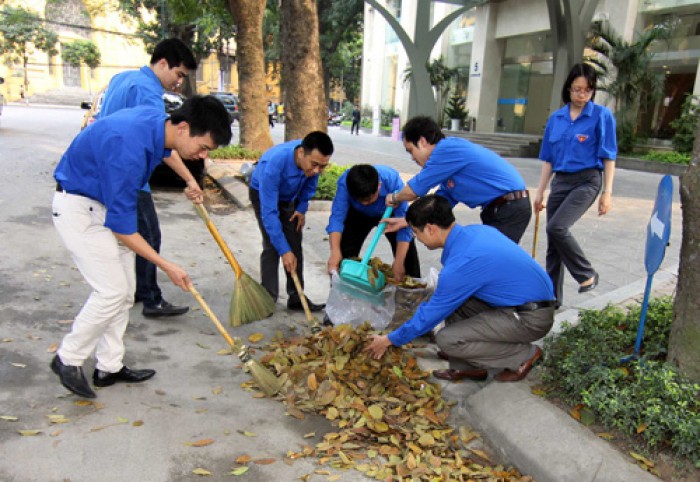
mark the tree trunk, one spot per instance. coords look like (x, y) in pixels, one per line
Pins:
(304, 109)
(254, 130)
(684, 342)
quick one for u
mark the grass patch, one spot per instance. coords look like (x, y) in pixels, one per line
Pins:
(667, 157)
(234, 152)
(648, 400)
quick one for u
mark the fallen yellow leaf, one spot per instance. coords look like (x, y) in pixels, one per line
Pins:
(137, 423)
(256, 337)
(29, 433)
(201, 471)
(8, 418)
(201, 443)
(239, 471)
(264, 461)
(243, 459)
(52, 347)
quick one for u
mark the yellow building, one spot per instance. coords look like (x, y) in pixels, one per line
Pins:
(100, 22)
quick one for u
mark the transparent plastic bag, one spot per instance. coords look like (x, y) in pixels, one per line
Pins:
(347, 304)
(407, 300)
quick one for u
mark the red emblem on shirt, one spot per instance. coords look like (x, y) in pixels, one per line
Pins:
(581, 137)
(450, 183)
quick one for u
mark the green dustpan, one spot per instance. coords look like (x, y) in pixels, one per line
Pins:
(357, 273)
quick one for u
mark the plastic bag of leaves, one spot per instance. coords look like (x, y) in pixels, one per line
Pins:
(349, 305)
(410, 294)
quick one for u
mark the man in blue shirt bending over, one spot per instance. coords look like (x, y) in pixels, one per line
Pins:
(95, 213)
(466, 173)
(495, 299)
(171, 61)
(358, 207)
(284, 180)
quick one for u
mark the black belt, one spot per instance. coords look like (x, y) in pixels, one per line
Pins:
(535, 305)
(510, 196)
(59, 188)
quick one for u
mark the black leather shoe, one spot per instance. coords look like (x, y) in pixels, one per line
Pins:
(72, 378)
(590, 287)
(327, 321)
(295, 305)
(126, 375)
(164, 309)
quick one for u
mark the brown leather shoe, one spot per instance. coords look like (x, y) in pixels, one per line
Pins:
(523, 369)
(456, 375)
(442, 355)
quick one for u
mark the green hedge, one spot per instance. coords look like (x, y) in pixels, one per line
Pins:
(671, 157)
(646, 399)
(234, 152)
(328, 180)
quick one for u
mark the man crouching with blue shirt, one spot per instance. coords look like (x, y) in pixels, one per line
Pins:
(358, 208)
(495, 299)
(95, 214)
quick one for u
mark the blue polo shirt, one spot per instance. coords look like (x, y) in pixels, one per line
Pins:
(467, 173)
(278, 179)
(572, 146)
(111, 159)
(390, 181)
(478, 261)
(130, 89)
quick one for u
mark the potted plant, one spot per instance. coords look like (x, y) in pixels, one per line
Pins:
(455, 111)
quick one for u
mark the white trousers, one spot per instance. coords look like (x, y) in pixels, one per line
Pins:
(108, 267)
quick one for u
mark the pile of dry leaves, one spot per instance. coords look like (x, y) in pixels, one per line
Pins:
(391, 420)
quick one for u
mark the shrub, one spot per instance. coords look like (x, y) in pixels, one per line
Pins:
(648, 397)
(328, 180)
(671, 157)
(686, 124)
(234, 152)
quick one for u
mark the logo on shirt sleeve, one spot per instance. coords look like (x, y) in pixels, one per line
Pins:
(581, 137)
(450, 184)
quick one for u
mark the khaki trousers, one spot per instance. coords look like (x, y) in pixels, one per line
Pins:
(480, 336)
(108, 267)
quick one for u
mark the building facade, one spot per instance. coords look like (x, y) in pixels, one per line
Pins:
(503, 54)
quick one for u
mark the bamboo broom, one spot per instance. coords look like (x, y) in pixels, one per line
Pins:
(267, 380)
(250, 301)
(534, 239)
(314, 323)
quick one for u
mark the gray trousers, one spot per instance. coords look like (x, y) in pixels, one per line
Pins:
(270, 258)
(570, 197)
(478, 335)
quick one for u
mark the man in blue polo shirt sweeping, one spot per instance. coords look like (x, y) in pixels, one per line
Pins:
(284, 180)
(495, 299)
(466, 173)
(95, 213)
(358, 207)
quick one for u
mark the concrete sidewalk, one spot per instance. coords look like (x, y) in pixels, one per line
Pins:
(531, 433)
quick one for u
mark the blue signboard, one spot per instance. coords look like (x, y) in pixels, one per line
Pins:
(659, 227)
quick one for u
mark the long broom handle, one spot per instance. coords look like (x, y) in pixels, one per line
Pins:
(302, 297)
(534, 239)
(377, 235)
(212, 316)
(202, 211)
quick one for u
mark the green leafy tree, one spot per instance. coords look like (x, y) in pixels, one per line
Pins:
(626, 74)
(80, 52)
(441, 77)
(456, 108)
(204, 25)
(686, 124)
(22, 33)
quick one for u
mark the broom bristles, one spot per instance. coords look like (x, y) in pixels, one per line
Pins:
(250, 302)
(266, 380)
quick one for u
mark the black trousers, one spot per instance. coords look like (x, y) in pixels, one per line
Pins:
(147, 289)
(358, 226)
(269, 258)
(571, 195)
(511, 218)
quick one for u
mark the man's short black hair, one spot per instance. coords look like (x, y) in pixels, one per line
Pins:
(362, 181)
(430, 209)
(175, 52)
(205, 115)
(317, 140)
(422, 126)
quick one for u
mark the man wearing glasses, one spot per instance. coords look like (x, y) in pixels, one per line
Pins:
(284, 180)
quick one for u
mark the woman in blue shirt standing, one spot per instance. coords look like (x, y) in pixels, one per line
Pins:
(579, 149)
